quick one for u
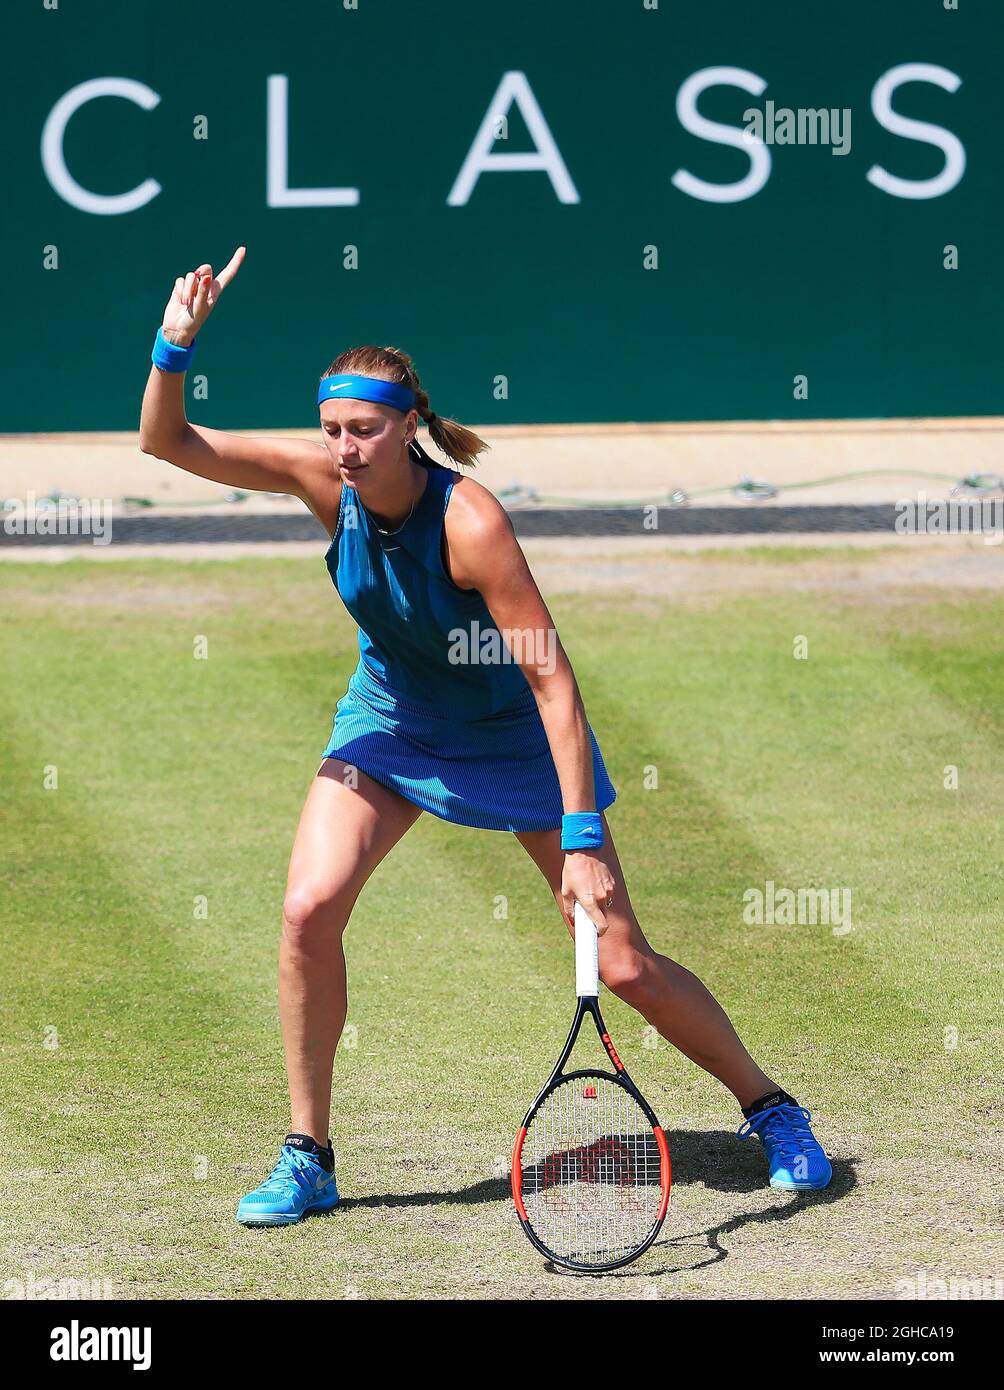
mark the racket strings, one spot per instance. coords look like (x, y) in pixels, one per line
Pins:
(591, 1172)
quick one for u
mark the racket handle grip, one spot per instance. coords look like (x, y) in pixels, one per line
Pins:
(587, 966)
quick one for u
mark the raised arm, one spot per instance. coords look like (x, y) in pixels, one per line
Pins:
(295, 466)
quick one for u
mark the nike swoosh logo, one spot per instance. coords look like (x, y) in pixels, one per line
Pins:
(341, 385)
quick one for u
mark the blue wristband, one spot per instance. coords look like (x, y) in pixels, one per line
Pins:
(581, 830)
(169, 357)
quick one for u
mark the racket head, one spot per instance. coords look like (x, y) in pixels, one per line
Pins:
(591, 1172)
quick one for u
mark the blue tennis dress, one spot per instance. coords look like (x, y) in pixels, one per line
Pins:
(463, 738)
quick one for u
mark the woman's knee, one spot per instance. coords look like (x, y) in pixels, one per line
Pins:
(310, 911)
(629, 974)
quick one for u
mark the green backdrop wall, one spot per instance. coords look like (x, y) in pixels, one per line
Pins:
(656, 269)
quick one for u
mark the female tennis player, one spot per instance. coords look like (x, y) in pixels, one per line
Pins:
(484, 733)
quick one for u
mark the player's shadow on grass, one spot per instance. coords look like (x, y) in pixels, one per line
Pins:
(716, 1159)
(491, 1190)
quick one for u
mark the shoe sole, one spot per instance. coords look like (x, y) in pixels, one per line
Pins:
(281, 1219)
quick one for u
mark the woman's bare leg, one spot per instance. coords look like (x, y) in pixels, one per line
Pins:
(672, 999)
(343, 834)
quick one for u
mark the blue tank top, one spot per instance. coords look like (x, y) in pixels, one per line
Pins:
(412, 617)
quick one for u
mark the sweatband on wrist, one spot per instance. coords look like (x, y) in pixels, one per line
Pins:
(168, 356)
(581, 830)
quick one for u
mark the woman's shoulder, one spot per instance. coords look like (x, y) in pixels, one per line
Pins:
(476, 525)
(326, 504)
(322, 491)
(473, 508)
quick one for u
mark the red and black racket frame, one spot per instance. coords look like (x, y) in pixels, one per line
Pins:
(589, 1004)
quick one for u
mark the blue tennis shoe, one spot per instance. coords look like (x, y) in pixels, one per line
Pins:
(298, 1183)
(795, 1157)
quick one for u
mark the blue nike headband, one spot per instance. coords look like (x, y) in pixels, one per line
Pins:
(366, 388)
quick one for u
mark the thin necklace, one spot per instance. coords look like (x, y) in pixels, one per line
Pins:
(384, 532)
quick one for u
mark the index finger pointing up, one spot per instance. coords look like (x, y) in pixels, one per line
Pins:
(231, 268)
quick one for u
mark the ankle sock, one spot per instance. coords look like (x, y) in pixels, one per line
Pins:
(306, 1143)
(765, 1102)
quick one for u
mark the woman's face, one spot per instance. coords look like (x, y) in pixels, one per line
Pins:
(364, 439)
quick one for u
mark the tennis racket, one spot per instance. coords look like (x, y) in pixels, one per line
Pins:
(590, 1167)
